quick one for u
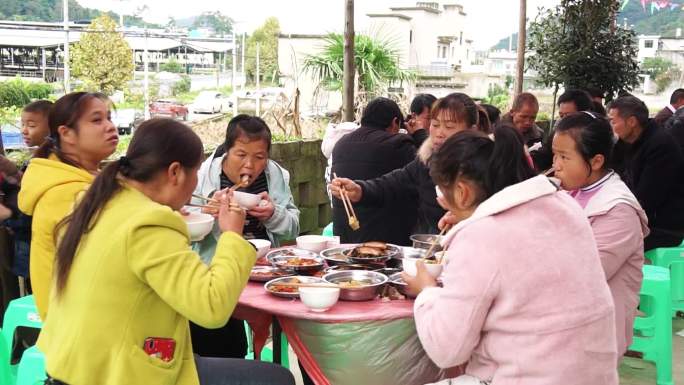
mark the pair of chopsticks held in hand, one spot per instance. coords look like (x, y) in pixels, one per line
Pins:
(349, 209)
(215, 204)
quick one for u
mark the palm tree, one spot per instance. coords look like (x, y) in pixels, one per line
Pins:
(376, 61)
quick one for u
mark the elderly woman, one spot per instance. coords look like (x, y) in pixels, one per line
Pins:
(244, 156)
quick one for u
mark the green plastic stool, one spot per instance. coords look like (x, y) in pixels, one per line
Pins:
(20, 312)
(653, 331)
(6, 375)
(328, 230)
(266, 353)
(31, 367)
(671, 258)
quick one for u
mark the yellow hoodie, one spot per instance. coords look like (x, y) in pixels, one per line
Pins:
(134, 276)
(49, 190)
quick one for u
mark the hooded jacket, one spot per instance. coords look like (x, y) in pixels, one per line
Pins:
(49, 191)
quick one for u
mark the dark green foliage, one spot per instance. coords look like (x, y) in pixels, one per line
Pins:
(18, 92)
(576, 45)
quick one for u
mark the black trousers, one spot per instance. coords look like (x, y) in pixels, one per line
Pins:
(231, 371)
(229, 341)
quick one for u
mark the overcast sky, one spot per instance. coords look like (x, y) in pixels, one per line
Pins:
(488, 20)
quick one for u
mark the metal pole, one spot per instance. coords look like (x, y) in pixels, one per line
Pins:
(348, 81)
(522, 31)
(146, 83)
(244, 74)
(67, 75)
(232, 82)
(43, 62)
(258, 74)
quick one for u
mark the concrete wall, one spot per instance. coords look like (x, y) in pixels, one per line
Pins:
(306, 164)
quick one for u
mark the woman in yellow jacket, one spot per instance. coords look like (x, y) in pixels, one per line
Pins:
(125, 274)
(81, 136)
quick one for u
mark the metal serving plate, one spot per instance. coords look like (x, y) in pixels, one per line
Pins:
(267, 273)
(280, 258)
(300, 278)
(391, 252)
(335, 255)
(362, 293)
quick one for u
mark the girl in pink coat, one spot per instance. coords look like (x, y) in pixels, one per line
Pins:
(524, 298)
(582, 146)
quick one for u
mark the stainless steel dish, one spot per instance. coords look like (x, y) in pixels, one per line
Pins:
(390, 252)
(366, 292)
(352, 267)
(282, 259)
(294, 294)
(335, 256)
(398, 282)
(388, 271)
(267, 273)
(425, 241)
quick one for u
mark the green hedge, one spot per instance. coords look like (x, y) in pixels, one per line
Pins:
(18, 92)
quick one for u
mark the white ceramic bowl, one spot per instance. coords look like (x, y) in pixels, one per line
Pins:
(319, 299)
(199, 225)
(262, 246)
(315, 243)
(409, 265)
(246, 200)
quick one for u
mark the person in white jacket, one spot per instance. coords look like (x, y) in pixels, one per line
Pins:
(245, 152)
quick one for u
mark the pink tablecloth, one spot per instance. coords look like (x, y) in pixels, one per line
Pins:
(258, 307)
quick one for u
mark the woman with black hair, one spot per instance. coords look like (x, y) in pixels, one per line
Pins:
(582, 146)
(524, 299)
(126, 281)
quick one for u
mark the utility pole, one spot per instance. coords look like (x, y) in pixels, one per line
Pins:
(244, 73)
(522, 32)
(146, 80)
(232, 82)
(348, 81)
(258, 74)
(67, 75)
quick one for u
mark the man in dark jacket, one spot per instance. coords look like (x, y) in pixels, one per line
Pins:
(652, 165)
(676, 102)
(373, 150)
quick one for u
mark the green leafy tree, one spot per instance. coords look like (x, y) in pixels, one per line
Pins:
(172, 66)
(576, 44)
(103, 59)
(220, 23)
(661, 70)
(267, 37)
(376, 61)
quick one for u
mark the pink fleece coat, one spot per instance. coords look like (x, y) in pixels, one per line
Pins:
(620, 226)
(525, 300)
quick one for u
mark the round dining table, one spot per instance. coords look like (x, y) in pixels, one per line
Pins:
(366, 342)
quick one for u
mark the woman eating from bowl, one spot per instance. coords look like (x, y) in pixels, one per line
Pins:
(244, 156)
(582, 146)
(451, 114)
(81, 137)
(524, 298)
(124, 292)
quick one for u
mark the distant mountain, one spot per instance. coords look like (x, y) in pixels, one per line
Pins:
(648, 20)
(51, 11)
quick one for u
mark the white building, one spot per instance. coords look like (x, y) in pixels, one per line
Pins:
(670, 48)
(430, 38)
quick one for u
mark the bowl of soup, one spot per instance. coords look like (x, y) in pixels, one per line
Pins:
(199, 225)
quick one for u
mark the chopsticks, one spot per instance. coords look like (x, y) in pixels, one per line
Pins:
(216, 207)
(435, 243)
(549, 171)
(349, 209)
(283, 284)
(206, 199)
(244, 181)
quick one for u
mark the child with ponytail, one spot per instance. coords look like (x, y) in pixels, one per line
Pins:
(524, 300)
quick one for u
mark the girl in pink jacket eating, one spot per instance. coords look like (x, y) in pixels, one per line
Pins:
(524, 298)
(582, 146)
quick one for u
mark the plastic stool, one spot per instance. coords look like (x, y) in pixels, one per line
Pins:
(6, 373)
(671, 258)
(328, 230)
(31, 367)
(653, 331)
(20, 312)
(266, 353)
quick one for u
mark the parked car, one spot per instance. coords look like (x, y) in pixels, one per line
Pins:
(170, 108)
(211, 102)
(126, 120)
(11, 137)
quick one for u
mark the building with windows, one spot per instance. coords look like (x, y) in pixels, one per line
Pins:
(666, 47)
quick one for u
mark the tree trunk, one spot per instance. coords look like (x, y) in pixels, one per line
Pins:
(522, 32)
(348, 82)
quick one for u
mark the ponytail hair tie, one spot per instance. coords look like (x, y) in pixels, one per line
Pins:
(124, 162)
